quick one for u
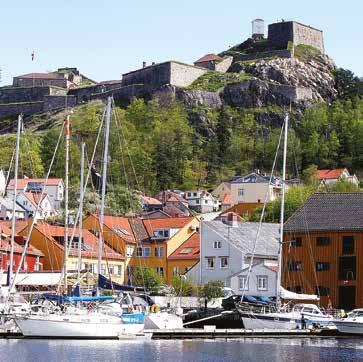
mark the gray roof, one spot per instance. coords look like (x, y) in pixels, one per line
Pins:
(244, 235)
(256, 177)
(332, 211)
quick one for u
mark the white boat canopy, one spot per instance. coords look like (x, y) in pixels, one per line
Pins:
(33, 279)
(286, 294)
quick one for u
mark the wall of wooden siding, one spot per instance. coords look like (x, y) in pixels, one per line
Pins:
(309, 253)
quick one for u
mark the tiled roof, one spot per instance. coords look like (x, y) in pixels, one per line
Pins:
(208, 58)
(329, 174)
(23, 182)
(244, 235)
(169, 196)
(150, 200)
(35, 198)
(166, 223)
(139, 229)
(331, 211)
(120, 225)
(5, 226)
(41, 76)
(90, 241)
(190, 249)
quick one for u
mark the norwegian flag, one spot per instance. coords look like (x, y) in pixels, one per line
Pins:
(32, 55)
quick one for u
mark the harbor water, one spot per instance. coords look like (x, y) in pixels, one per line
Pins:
(247, 349)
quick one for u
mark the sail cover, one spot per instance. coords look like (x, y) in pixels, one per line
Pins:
(286, 294)
(105, 283)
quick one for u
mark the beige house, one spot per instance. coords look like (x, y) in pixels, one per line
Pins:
(251, 188)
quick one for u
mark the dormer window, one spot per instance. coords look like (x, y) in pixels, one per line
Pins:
(161, 234)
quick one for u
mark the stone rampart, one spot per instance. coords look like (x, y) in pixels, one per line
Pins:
(58, 102)
(39, 82)
(28, 94)
(279, 35)
(12, 110)
(174, 73)
(282, 53)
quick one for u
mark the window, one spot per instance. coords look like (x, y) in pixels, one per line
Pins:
(175, 270)
(262, 282)
(348, 245)
(322, 240)
(146, 251)
(103, 268)
(138, 251)
(161, 234)
(129, 250)
(38, 266)
(159, 251)
(194, 194)
(241, 192)
(217, 244)
(224, 262)
(243, 285)
(118, 270)
(322, 265)
(206, 201)
(322, 291)
(294, 265)
(296, 241)
(189, 194)
(210, 263)
(347, 267)
(160, 270)
(197, 201)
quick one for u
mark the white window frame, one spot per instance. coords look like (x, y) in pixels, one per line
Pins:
(243, 285)
(160, 270)
(144, 253)
(217, 244)
(175, 270)
(264, 285)
(139, 251)
(129, 250)
(207, 262)
(241, 192)
(220, 262)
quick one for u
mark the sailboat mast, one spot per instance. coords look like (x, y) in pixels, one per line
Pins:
(103, 192)
(80, 236)
(279, 270)
(11, 262)
(66, 190)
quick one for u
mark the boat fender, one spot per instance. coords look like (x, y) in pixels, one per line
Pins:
(155, 308)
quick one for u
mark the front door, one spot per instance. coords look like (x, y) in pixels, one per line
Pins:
(347, 298)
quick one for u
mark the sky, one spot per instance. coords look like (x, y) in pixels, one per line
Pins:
(105, 39)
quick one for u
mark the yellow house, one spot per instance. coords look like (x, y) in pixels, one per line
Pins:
(49, 239)
(184, 257)
(165, 236)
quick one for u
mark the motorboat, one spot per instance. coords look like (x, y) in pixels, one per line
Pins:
(352, 323)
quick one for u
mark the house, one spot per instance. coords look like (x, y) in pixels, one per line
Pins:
(150, 203)
(251, 188)
(164, 236)
(244, 209)
(227, 246)
(185, 257)
(174, 203)
(33, 260)
(201, 201)
(226, 202)
(6, 210)
(331, 176)
(214, 62)
(261, 282)
(54, 187)
(49, 239)
(36, 205)
(322, 250)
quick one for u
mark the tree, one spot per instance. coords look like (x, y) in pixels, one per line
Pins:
(343, 186)
(211, 290)
(309, 175)
(148, 278)
(347, 84)
(183, 286)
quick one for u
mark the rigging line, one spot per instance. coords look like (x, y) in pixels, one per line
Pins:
(263, 210)
(36, 210)
(84, 188)
(10, 167)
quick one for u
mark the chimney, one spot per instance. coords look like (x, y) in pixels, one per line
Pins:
(232, 219)
(143, 64)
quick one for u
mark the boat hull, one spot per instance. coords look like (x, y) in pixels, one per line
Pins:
(163, 320)
(349, 327)
(267, 321)
(45, 328)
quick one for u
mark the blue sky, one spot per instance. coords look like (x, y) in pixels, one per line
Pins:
(107, 38)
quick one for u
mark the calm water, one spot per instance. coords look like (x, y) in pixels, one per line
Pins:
(188, 350)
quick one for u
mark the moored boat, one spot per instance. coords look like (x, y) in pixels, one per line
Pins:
(352, 324)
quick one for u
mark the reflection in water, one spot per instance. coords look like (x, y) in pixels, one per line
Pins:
(246, 349)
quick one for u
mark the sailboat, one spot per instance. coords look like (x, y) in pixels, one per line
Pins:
(280, 317)
(76, 322)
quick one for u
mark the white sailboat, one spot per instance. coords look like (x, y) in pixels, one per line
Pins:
(77, 322)
(301, 313)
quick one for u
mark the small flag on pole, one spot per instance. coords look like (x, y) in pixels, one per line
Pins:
(32, 56)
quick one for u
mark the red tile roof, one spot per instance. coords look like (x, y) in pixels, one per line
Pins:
(208, 58)
(329, 174)
(34, 198)
(90, 241)
(150, 200)
(23, 182)
(5, 226)
(188, 250)
(120, 225)
(166, 223)
(42, 76)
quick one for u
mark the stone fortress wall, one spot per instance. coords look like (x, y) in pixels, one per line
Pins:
(279, 35)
